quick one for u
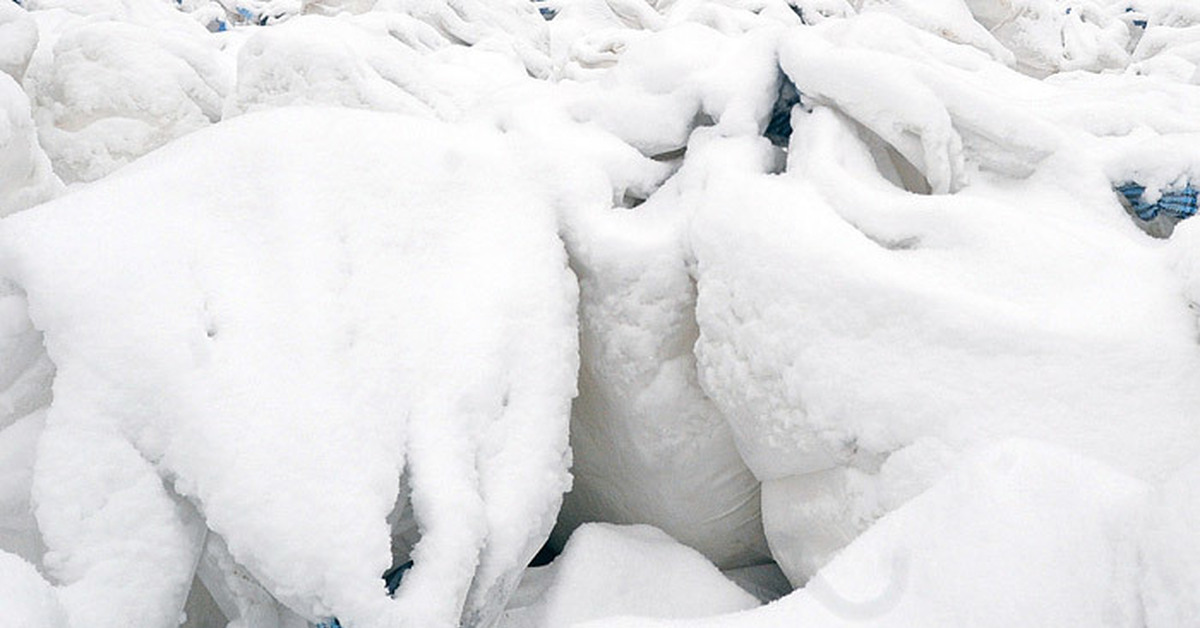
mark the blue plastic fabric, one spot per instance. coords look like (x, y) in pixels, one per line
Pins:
(392, 577)
(1140, 23)
(1177, 203)
(779, 128)
(548, 13)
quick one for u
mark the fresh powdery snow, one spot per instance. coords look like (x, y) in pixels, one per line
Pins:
(1022, 534)
(606, 313)
(607, 570)
(281, 351)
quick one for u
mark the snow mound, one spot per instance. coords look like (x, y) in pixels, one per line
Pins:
(28, 600)
(18, 39)
(1171, 551)
(26, 178)
(942, 109)
(1167, 42)
(513, 28)
(665, 84)
(325, 61)
(128, 76)
(824, 248)
(1048, 36)
(950, 19)
(649, 446)
(18, 528)
(107, 89)
(381, 60)
(157, 13)
(1021, 534)
(607, 570)
(837, 330)
(26, 371)
(379, 321)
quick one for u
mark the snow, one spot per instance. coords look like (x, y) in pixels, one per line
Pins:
(28, 600)
(1047, 36)
(1170, 551)
(18, 528)
(19, 35)
(110, 92)
(437, 347)
(295, 291)
(930, 322)
(1021, 534)
(26, 177)
(953, 20)
(319, 60)
(916, 320)
(607, 570)
(381, 60)
(648, 445)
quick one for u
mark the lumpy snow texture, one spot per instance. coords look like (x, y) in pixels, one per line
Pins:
(18, 39)
(1054, 532)
(607, 570)
(1171, 552)
(648, 444)
(383, 301)
(827, 252)
(112, 91)
(844, 320)
(26, 178)
(28, 600)
(382, 60)
(838, 330)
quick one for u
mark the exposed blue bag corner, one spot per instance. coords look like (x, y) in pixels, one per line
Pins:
(1178, 203)
(547, 12)
(1138, 19)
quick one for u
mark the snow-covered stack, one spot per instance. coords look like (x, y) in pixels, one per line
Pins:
(25, 174)
(107, 90)
(845, 284)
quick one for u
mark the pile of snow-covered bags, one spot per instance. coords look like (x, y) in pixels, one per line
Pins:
(836, 295)
(25, 175)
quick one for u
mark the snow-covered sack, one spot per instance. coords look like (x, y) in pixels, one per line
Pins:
(392, 313)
